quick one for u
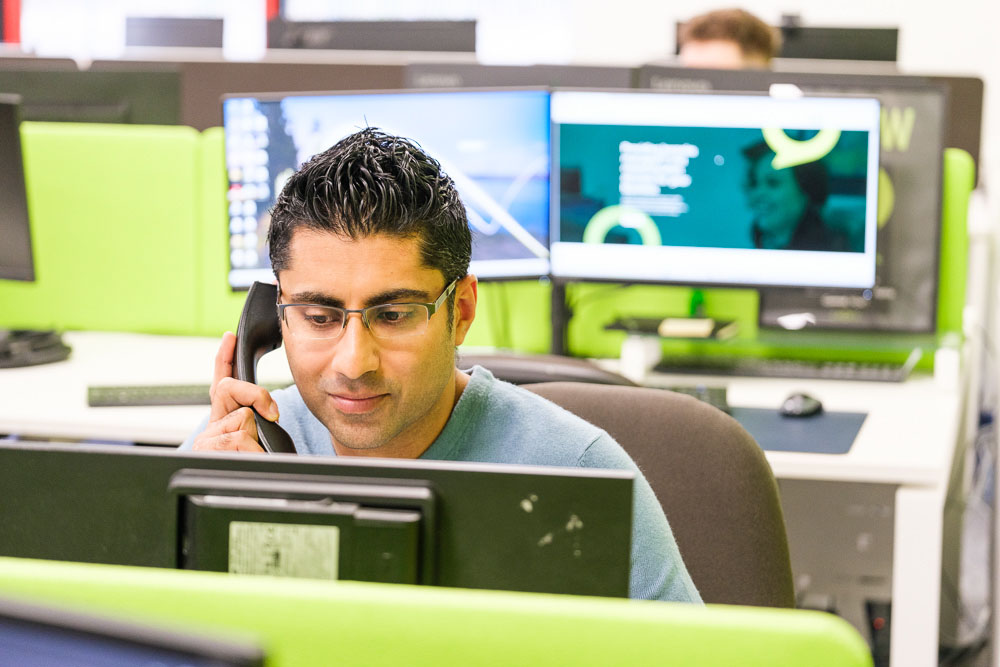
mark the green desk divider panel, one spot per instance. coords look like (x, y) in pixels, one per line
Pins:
(301, 622)
(959, 179)
(218, 305)
(114, 214)
(513, 316)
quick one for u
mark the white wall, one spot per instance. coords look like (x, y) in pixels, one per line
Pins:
(955, 37)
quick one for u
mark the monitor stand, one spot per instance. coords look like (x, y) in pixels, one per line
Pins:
(29, 347)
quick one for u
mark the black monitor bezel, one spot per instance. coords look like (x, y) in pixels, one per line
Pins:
(112, 504)
(18, 207)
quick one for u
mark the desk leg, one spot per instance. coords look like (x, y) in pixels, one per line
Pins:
(916, 577)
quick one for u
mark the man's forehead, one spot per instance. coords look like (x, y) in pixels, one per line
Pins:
(364, 269)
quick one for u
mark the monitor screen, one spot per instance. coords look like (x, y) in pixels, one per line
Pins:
(41, 635)
(119, 92)
(15, 250)
(494, 144)
(468, 525)
(708, 189)
(916, 116)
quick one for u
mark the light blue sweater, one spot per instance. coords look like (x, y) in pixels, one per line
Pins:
(497, 422)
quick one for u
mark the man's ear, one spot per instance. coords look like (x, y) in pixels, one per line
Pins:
(466, 297)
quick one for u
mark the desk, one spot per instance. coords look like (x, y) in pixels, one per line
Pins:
(907, 444)
(50, 401)
(908, 441)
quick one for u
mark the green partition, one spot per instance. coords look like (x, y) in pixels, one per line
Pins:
(302, 622)
(218, 305)
(959, 181)
(114, 216)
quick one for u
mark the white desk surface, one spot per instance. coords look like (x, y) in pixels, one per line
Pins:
(907, 438)
(50, 401)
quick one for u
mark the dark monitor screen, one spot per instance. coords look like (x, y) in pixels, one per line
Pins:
(914, 116)
(378, 35)
(42, 635)
(708, 189)
(466, 75)
(149, 94)
(15, 250)
(836, 43)
(494, 144)
(468, 525)
(830, 43)
(173, 31)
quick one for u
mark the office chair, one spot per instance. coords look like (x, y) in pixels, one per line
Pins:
(711, 477)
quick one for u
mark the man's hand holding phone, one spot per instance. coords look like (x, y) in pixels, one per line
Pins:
(231, 425)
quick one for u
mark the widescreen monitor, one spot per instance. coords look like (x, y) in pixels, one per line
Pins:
(16, 261)
(468, 75)
(33, 634)
(493, 143)
(467, 525)
(916, 116)
(122, 92)
(704, 189)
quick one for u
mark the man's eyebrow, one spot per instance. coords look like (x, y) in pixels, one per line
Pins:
(400, 295)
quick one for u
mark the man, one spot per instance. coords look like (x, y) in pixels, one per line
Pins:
(727, 39)
(371, 247)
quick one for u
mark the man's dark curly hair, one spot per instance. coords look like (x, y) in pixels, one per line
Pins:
(373, 183)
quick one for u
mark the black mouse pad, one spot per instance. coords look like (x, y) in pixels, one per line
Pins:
(825, 433)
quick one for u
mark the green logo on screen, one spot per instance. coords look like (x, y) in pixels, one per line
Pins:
(790, 152)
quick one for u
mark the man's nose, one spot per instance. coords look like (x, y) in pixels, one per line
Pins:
(356, 353)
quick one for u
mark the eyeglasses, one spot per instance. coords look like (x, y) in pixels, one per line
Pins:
(387, 320)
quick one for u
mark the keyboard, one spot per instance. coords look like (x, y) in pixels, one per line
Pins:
(714, 396)
(788, 368)
(110, 396)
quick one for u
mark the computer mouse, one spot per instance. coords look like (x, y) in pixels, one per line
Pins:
(800, 405)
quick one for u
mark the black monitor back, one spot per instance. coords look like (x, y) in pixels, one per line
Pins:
(16, 262)
(560, 530)
(118, 93)
(382, 35)
(836, 43)
(469, 75)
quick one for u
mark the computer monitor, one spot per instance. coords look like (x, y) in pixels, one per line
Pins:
(831, 43)
(468, 525)
(33, 634)
(493, 143)
(120, 93)
(471, 75)
(16, 261)
(19, 347)
(915, 118)
(378, 35)
(705, 189)
(839, 43)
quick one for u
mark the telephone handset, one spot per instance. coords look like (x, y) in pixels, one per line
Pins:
(258, 333)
